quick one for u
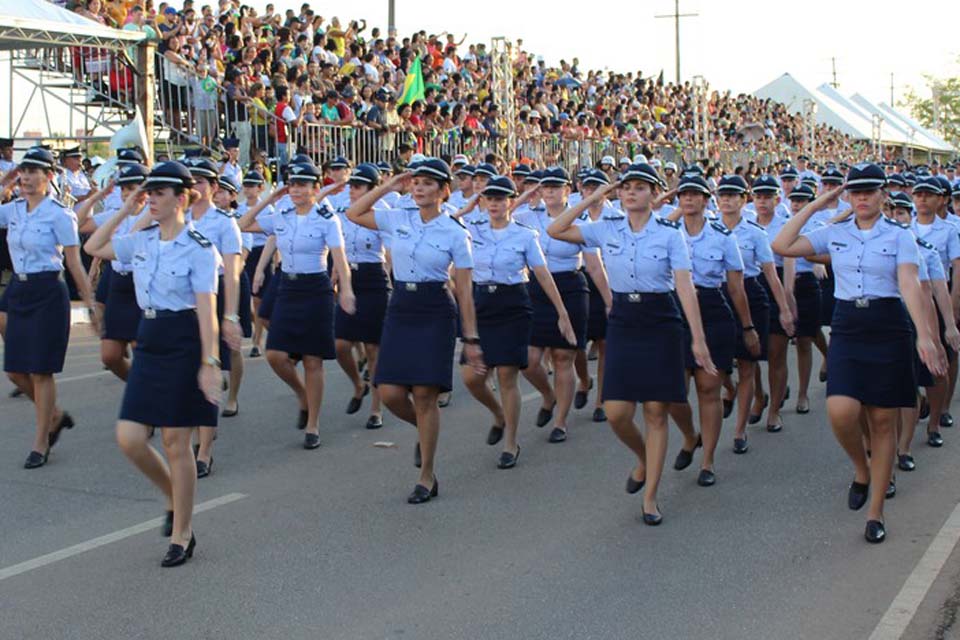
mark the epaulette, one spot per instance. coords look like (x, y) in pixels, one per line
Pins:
(584, 216)
(59, 203)
(459, 222)
(850, 219)
(525, 226)
(538, 209)
(893, 222)
(756, 224)
(613, 216)
(477, 222)
(199, 238)
(324, 211)
(225, 212)
(286, 211)
(20, 199)
(673, 224)
(923, 243)
(151, 226)
(719, 227)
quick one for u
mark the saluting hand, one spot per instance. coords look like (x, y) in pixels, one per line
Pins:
(211, 382)
(663, 198)
(401, 181)
(279, 193)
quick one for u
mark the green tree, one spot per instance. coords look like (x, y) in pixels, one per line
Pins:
(945, 94)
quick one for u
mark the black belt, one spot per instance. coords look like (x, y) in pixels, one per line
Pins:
(864, 303)
(359, 266)
(700, 288)
(419, 286)
(39, 275)
(303, 276)
(639, 296)
(151, 314)
(752, 279)
(491, 287)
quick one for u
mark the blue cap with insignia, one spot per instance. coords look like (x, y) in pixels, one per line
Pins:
(802, 192)
(521, 170)
(253, 178)
(129, 156)
(466, 170)
(896, 180)
(902, 200)
(339, 163)
(866, 176)
(643, 172)
(500, 186)
(132, 174)
(365, 173)
(303, 173)
(928, 184)
(554, 176)
(831, 175)
(169, 174)
(228, 183)
(38, 157)
(203, 167)
(733, 184)
(789, 172)
(766, 184)
(434, 168)
(485, 169)
(693, 181)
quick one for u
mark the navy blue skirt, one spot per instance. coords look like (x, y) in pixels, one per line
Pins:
(302, 320)
(102, 292)
(38, 324)
(597, 314)
(773, 325)
(121, 318)
(3, 297)
(576, 299)
(645, 346)
(162, 388)
(269, 298)
(419, 337)
(504, 322)
(371, 287)
(827, 300)
(760, 316)
(250, 268)
(719, 327)
(870, 357)
(807, 292)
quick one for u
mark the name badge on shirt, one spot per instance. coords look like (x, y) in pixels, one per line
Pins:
(403, 232)
(139, 257)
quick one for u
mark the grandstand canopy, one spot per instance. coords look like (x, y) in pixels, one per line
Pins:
(35, 23)
(789, 91)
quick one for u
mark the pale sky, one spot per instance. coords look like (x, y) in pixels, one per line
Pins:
(739, 45)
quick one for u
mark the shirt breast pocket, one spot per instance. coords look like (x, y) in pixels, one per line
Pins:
(172, 278)
(710, 261)
(882, 257)
(612, 249)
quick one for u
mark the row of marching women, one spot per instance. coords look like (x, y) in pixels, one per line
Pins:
(679, 290)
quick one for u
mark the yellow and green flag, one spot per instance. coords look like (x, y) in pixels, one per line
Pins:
(413, 85)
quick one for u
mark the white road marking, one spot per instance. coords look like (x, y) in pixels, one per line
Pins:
(904, 607)
(77, 549)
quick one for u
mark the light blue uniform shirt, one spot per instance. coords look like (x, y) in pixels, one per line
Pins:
(457, 199)
(168, 275)
(259, 239)
(423, 252)
(122, 229)
(220, 227)
(362, 245)
(930, 265)
(754, 245)
(943, 236)
(773, 228)
(390, 199)
(818, 220)
(502, 256)
(405, 201)
(865, 263)
(642, 261)
(303, 240)
(561, 256)
(713, 252)
(340, 200)
(36, 239)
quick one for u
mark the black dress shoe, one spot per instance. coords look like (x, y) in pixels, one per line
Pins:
(857, 496)
(634, 486)
(422, 494)
(302, 419)
(823, 376)
(66, 422)
(905, 462)
(36, 459)
(580, 397)
(599, 415)
(891, 492)
(755, 417)
(685, 458)
(946, 420)
(228, 413)
(875, 533)
(177, 555)
(16, 393)
(204, 469)
(544, 416)
(804, 409)
(255, 352)
(445, 399)
(495, 435)
(374, 422)
(311, 440)
(740, 445)
(508, 460)
(355, 403)
(706, 478)
(366, 375)
(934, 439)
(776, 428)
(786, 395)
(167, 529)
(557, 435)
(727, 408)
(652, 519)
(417, 459)
(924, 408)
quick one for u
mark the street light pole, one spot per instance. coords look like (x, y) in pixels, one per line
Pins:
(391, 18)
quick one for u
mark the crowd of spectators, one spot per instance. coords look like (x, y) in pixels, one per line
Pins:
(264, 77)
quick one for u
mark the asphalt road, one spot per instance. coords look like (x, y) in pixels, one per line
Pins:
(322, 544)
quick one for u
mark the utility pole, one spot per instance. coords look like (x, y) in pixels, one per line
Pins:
(833, 63)
(391, 18)
(893, 105)
(676, 15)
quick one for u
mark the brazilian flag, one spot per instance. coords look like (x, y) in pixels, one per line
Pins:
(413, 85)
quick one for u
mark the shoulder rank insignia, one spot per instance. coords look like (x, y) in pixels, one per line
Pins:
(719, 227)
(199, 238)
(893, 222)
(756, 224)
(923, 243)
(673, 224)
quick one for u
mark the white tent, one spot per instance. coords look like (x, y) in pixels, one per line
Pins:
(788, 91)
(917, 135)
(37, 23)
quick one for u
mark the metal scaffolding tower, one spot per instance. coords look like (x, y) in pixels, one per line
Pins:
(503, 94)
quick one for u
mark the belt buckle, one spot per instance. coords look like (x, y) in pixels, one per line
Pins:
(149, 314)
(862, 303)
(410, 286)
(354, 266)
(291, 276)
(22, 277)
(491, 288)
(634, 297)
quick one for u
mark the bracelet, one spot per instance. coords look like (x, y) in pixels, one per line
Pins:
(231, 317)
(750, 328)
(212, 361)
(474, 340)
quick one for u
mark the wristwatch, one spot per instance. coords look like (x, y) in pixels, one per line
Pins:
(212, 361)
(474, 340)
(231, 317)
